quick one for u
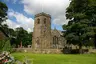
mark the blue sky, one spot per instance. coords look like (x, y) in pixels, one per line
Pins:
(21, 12)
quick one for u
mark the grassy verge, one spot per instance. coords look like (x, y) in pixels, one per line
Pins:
(57, 58)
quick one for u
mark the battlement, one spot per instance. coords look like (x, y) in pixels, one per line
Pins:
(42, 14)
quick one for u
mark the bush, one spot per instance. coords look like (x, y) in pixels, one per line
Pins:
(5, 45)
(75, 51)
(2, 43)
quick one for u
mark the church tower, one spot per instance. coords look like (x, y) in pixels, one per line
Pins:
(42, 31)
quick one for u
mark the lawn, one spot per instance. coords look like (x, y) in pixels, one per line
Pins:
(57, 58)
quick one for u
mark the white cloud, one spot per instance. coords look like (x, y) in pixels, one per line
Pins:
(11, 24)
(60, 20)
(21, 21)
(56, 8)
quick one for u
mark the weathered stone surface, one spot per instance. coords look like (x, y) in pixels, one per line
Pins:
(43, 36)
(42, 32)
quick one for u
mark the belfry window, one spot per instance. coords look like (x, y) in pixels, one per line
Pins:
(44, 20)
(38, 21)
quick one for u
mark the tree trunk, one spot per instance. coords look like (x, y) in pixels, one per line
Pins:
(95, 41)
(80, 48)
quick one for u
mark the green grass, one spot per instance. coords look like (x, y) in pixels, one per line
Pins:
(57, 58)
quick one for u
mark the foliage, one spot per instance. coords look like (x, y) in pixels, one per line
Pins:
(16, 36)
(3, 15)
(5, 45)
(23, 36)
(2, 42)
(3, 12)
(82, 19)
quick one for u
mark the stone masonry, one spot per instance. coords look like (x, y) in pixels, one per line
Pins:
(42, 31)
(43, 36)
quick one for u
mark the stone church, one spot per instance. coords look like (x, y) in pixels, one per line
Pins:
(43, 36)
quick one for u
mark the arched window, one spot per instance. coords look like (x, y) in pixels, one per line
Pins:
(44, 20)
(38, 21)
(55, 41)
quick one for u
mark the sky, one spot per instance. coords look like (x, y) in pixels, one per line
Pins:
(21, 12)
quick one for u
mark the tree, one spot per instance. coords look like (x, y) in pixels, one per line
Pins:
(22, 36)
(5, 45)
(91, 13)
(17, 36)
(80, 29)
(3, 12)
(2, 42)
(3, 15)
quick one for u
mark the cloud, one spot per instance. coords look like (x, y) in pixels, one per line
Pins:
(60, 20)
(21, 21)
(56, 8)
(11, 24)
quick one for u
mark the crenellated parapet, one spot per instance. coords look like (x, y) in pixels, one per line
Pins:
(42, 14)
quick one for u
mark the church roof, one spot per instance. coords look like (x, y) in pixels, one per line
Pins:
(56, 32)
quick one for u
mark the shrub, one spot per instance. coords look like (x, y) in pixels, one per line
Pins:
(5, 45)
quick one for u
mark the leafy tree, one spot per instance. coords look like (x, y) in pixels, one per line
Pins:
(81, 28)
(91, 13)
(3, 15)
(2, 42)
(3, 12)
(27, 39)
(23, 36)
(15, 36)
(5, 45)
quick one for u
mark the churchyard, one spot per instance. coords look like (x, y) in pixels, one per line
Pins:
(35, 36)
(56, 58)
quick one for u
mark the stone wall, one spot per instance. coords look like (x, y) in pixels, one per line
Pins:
(44, 51)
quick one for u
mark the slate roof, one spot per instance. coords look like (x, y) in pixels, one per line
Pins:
(56, 32)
